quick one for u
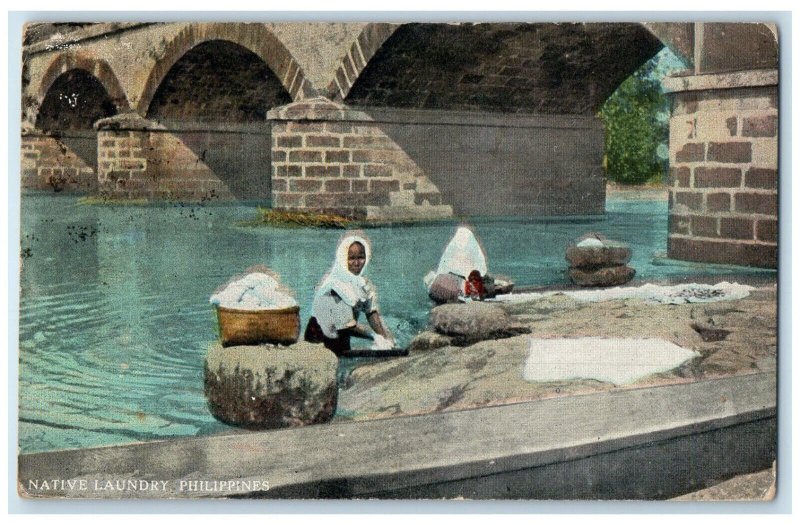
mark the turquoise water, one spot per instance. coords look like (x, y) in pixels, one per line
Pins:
(114, 313)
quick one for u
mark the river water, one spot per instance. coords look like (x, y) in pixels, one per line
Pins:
(114, 312)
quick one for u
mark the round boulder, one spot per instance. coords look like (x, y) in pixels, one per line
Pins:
(268, 386)
(611, 276)
(611, 253)
(473, 319)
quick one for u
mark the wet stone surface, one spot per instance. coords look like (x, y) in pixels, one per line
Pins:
(437, 376)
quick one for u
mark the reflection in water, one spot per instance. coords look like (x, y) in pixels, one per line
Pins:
(114, 313)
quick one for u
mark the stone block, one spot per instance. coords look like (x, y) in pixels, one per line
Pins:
(287, 200)
(692, 152)
(322, 141)
(305, 156)
(760, 126)
(384, 186)
(729, 152)
(762, 178)
(305, 185)
(338, 156)
(718, 202)
(736, 228)
(732, 123)
(322, 171)
(352, 171)
(765, 203)
(693, 201)
(269, 386)
(703, 226)
(705, 177)
(723, 251)
(767, 230)
(679, 224)
(337, 185)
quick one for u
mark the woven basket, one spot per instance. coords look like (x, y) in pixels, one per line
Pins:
(252, 327)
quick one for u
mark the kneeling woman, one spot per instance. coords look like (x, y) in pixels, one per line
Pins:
(341, 296)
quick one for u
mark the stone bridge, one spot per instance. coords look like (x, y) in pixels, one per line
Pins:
(399, 121)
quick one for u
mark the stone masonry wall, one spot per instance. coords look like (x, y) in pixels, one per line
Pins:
(327, 158)
(48, 163)
(144, 161)
(724, 172)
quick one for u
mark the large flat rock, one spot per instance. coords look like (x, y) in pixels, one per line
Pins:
(491, 372)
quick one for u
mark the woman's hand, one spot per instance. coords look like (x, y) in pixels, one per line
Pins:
(376, 323)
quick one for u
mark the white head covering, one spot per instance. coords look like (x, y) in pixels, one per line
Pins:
(350, 287)
(463, 254)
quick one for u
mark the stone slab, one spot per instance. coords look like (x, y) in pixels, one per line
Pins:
(395, 456)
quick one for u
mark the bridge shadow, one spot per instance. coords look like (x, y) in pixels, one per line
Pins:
(237, 155)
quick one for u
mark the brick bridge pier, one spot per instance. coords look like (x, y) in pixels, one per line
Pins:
(402, 121)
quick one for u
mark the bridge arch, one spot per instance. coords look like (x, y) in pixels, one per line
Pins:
(85, 67)
(255, 38)
(217, 81)
(560, 68)
(359, 54)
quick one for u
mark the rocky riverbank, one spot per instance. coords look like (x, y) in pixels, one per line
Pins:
(730, 337)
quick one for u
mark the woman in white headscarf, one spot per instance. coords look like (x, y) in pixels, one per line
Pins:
(461, 270)
(341, 296)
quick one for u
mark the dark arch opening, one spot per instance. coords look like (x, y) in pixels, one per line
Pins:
(218, 81)
(503, 67)
(75, 101)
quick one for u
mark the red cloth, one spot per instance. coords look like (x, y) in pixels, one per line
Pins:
(473, 287)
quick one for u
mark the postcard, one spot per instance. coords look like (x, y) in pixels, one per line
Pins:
(381, 260)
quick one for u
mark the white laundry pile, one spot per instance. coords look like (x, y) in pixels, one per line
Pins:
(590, 242)
(254, 291)
(381, 343)
(618, 361)
(678, 294)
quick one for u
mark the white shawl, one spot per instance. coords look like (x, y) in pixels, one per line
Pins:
(350, 287)
(462, 255)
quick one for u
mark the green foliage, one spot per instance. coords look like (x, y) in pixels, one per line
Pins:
(636, 118)
(299, 219)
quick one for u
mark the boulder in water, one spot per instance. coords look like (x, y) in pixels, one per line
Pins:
(610, 253)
